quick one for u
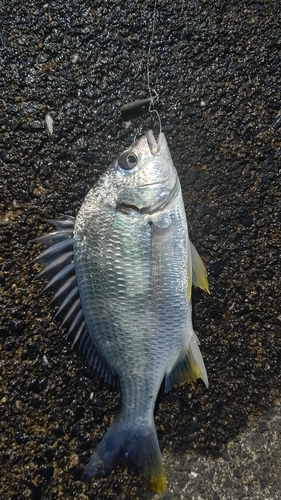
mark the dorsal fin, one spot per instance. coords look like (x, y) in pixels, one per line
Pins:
(58, 259)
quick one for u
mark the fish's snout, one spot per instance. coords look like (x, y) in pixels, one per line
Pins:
(152, 143)
(155, 146)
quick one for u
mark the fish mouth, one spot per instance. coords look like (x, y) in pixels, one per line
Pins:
(170, 183)
(154, 145)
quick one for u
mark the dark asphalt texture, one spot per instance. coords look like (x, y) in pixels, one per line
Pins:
(216, 67)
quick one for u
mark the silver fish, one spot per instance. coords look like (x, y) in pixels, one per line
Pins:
(122, 272)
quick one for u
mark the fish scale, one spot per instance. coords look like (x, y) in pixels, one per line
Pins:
(118, 306)
(128, 265)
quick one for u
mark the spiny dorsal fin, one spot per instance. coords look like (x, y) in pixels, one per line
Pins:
(58, 259)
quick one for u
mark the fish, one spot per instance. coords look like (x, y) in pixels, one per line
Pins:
(122, 273)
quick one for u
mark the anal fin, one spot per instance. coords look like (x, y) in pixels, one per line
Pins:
(189, 368)
(199, 273)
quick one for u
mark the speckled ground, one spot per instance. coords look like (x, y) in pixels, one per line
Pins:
(216, 67)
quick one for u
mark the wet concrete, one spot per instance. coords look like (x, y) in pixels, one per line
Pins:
(216, 67)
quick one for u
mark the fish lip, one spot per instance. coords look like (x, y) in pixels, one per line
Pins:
(154, 145)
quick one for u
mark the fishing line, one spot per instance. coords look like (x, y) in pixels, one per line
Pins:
(149, 51)
(130, 107)
(150, 90)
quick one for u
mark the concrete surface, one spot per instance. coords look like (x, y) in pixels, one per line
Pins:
(216, 67)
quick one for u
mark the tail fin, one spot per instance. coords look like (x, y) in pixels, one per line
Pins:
(137, 445)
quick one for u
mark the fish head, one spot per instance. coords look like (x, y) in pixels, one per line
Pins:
(145, 176)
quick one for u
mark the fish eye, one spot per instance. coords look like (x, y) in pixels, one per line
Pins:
(128, 160)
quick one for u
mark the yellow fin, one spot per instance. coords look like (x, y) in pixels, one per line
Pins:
(195, 360)
(189, 368)
(157, 482)
(149, 458)
(137, 443)
(199, 273)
